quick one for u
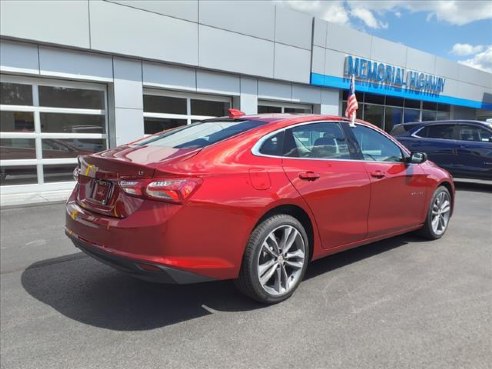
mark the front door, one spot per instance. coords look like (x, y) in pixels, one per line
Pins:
(398, 189)
(318, 163)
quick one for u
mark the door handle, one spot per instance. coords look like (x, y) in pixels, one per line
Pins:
(377, 174)
(309, 176)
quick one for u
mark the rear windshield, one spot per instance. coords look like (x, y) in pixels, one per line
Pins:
(201, 134)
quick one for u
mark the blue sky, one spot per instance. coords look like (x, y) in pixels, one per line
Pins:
(455, 30)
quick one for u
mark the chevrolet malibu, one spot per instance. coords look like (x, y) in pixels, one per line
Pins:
(252, 198)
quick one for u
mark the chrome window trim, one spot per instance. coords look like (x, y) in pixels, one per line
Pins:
(255, 150)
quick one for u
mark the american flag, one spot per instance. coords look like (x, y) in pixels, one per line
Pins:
(352, 104)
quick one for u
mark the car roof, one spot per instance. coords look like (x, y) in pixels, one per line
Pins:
(281, 117)
(448, 121)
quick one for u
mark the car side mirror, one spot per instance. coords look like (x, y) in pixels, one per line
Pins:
(416, 158)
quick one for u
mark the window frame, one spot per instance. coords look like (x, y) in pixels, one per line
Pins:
(255, 150)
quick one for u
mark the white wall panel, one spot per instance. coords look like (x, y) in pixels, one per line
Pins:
(187, 9)
(330, 101)
(474, 76)
(248, 102)
(446, 68)
(319, 35)
(169, 76)
(421, 61)
(334, 63)
(348, 41)
(128, 90)
(217, 83)
(388, 52)
(293, 28)
(61, 22)
(129, 125)
(18, 57)
(233, 52)
(246, 17)
(124, 30)
(292, 64)
(306, 94)
(318, 60)
(57, 62)
(274, 90)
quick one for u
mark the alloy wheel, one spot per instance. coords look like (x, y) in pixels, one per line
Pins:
(281, 260)
(441, 211)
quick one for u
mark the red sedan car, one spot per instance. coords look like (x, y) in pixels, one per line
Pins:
(252, 198)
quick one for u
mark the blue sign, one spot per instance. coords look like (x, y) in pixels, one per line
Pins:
(388, 75)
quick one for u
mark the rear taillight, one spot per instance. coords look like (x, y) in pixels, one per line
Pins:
(172, 190)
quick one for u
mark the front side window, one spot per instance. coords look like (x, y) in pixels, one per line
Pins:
(473, 133)
(376, 147)
(317, 140)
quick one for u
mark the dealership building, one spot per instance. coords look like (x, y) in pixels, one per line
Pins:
(81, 76)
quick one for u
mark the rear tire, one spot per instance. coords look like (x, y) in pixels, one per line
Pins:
(438, 214)
(275, 260)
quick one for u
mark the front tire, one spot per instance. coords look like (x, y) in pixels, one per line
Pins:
(275, 260)
(438, 215)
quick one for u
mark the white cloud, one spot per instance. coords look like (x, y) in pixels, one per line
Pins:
(482, 60)
(457, 12)
(331, 11)
(466, 49)
(372, 12)
(368, 18)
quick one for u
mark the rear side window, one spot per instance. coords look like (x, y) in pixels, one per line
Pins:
(273, 145)
(317, 140)
(402, 129)
(202, 134)
(444, 131)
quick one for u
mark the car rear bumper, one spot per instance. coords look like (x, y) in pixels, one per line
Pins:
(140, 269)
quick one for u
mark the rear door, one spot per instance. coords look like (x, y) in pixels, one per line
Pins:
(398, 190)
(474, 151)
(439, 142)
(317, 161)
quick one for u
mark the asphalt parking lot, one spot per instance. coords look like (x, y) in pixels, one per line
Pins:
(399, 303)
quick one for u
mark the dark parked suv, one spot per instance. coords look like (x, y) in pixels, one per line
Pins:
(463, 147)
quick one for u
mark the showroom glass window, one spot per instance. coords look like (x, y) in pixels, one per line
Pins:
(45, 125)
(387, 111)
(164, 110)
(269, 107)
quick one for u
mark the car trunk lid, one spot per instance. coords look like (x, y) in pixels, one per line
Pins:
(99, 175)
